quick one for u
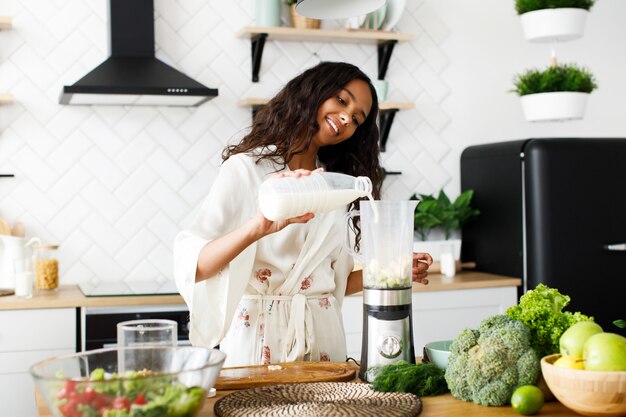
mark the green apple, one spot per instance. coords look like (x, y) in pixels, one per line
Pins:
(605, 352)
(573, 339)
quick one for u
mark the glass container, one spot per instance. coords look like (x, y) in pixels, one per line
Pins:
(46, 267)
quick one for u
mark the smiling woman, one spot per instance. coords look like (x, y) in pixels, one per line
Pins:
(264, 291)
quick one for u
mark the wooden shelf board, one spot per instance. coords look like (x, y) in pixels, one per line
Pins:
(6, 98)
(385, 105)
(5, 23)
(323, 35)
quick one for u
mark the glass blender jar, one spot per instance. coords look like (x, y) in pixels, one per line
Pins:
(387, 258)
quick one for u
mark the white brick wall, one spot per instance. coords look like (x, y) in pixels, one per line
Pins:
(113, 185)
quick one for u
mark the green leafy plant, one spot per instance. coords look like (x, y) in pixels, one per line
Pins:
(524, 6)
(620, 323)
(441, 212)
(566, 77)
(290, 2)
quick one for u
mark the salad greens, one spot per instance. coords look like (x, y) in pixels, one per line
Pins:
(135, 394)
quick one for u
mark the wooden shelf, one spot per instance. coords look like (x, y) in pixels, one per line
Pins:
(387, 112)
(323, 35)
(6, 23)
(385, 41)
(6, 98)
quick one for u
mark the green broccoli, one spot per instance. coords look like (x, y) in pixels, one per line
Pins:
(488, 364)
(541, 310)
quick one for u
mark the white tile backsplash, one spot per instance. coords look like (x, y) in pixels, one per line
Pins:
(113, 185)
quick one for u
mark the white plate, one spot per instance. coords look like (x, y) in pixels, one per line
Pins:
(395, 8)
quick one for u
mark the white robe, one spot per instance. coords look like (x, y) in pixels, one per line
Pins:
(280, 299)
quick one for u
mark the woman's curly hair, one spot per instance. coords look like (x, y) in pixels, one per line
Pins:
(285, 126)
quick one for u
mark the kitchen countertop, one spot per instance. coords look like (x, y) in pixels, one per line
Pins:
(71, 296)
(438, 406)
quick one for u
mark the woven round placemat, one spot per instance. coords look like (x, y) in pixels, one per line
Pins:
(318, 399)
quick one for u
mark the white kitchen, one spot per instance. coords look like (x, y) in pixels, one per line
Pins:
(104, 188)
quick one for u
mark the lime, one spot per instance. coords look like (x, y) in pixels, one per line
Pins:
(527, 400)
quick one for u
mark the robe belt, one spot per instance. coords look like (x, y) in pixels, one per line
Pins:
(299, 341)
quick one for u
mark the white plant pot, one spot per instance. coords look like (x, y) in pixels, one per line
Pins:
(549, 25)
(433, 247)
(557, 106)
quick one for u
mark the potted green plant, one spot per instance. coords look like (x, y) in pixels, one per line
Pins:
(558, 92)
(553, 20)
(440, 213)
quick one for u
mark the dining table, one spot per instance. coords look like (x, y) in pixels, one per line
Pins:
(433, 406)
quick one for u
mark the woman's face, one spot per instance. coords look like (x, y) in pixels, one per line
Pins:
(340, 115)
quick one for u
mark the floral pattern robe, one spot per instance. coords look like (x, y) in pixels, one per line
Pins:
(280, 299)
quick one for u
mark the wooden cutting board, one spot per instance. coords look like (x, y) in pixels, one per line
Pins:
(255, 376)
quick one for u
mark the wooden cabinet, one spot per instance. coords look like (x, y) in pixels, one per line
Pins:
(437, 315)
(27, 337)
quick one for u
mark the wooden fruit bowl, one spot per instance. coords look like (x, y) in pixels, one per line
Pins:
(590, 393)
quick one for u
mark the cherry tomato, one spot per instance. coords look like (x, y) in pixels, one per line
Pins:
(121, 403)
(140, 399)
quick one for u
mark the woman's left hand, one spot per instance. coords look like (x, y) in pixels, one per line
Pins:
(421, 263)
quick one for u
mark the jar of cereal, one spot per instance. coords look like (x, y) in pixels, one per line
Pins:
(46, 267)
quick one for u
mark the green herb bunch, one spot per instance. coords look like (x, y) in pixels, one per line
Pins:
(441, 212)
(524, 6)
(566, 77)
(422, 379)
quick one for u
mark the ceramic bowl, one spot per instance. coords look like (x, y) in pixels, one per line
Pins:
(590, 393)
(148, 379)
(438, 352)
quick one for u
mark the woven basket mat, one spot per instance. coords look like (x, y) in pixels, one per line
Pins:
(318, 399)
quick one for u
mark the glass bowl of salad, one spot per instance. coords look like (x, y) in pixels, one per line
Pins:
(142, 381)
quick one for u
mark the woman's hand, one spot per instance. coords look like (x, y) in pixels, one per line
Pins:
(421, 263)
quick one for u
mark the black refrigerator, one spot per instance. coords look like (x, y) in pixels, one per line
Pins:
(553, 211)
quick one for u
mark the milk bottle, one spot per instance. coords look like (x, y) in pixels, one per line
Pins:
(281, 198)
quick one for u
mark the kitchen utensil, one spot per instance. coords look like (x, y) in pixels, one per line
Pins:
(5, 229)
(590, 393)
(147, 332)
(13, 248)
(177, 376)
(387, 259)
(18, 230)
(318, 399)
(242, 377)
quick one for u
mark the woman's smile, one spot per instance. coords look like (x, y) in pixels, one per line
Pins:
(343, 113)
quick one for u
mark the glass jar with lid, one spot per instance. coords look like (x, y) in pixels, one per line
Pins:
(46, 267)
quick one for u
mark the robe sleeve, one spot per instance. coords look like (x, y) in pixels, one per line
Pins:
(212, 302)
(342, 266)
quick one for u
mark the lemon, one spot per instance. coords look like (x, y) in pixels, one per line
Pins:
(570, 361)
(527, 400)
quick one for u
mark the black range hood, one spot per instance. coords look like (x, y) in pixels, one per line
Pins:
(132, 75)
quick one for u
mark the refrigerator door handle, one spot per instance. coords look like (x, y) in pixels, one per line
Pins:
(621, 247)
